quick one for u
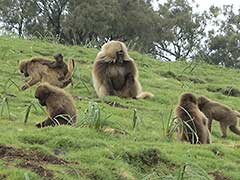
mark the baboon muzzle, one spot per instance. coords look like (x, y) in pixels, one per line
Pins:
(120, 57)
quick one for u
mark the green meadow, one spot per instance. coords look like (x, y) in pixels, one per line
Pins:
(115, 138)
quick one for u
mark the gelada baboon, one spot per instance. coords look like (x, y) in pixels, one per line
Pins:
(222, 113)
(115, 73)
(194, 122)
(42, 73)
(58, 64)
(59, 105)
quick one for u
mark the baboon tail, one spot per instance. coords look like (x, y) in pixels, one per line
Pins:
(144, 95)
(71, 65)
(237, 114)
(235, 129)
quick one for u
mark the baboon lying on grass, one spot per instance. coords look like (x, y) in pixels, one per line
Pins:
(39, 72)
(222, 113)
(59, 65)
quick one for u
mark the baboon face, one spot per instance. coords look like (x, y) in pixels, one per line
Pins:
(116, 50)
(201, 101)
(188, 97)
(42, 93)
(58, 57)
(23, 69)
(119, 57)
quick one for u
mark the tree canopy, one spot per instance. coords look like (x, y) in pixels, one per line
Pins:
(172, 31)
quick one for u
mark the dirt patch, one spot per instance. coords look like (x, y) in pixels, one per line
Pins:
(170, 74)
(38, 169)
(32, 160)
(11, 153)
(218, 175)
(228, 91)
(150, 158)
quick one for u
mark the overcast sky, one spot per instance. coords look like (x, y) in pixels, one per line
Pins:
(205, 4)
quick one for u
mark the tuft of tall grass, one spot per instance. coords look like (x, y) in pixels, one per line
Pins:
(94, 117)
(173, 125)
(136, 119)
(28, 110)
(5, 97)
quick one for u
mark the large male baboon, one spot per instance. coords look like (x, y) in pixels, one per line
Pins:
(59, 105)
(115, 73)
(194, 122)
(222, 113)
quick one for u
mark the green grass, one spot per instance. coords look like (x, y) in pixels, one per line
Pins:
(145, 151)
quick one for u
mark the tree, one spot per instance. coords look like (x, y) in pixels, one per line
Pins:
(16, 14)
(180, 30)
(110, 19)
(223, 45)
(53, 14)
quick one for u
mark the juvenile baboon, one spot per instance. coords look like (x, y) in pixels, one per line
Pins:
(58, 65)
(222, 113)
(42, 73)
(59, 105)
(194, 122)
(115, 73)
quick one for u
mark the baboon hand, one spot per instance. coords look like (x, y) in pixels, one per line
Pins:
(39, 125)
(24, 87)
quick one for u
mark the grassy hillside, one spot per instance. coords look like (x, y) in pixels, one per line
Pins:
(138, 150)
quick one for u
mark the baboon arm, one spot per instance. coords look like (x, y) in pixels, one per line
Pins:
(102, 79)
(109, 87)
(131, 74)
(34, 79)
(209, 121)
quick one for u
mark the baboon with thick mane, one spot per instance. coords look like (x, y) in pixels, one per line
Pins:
(115, 73)
(194, 122)
(222, 113)
(59, 105)
(39, 72)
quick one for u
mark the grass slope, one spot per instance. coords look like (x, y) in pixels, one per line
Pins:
(143, 153)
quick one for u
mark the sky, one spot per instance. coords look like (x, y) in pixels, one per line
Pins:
(205, 4)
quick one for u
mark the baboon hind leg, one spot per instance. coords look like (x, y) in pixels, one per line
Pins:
(131, 88)
(223, 130)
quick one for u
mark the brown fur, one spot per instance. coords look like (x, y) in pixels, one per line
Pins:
(58, 103)
(58, 65)
(193, 120)
(222, 113)
(115, 73)
(39, 72)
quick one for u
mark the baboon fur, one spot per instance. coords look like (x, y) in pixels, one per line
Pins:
(59, 65)
(194, 122)
(39, 72)
(59, 105)
(115, 73)
(222, 113)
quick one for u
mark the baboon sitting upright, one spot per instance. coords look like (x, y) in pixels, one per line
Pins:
(59, 105)
(115, 73)
(194, 122)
